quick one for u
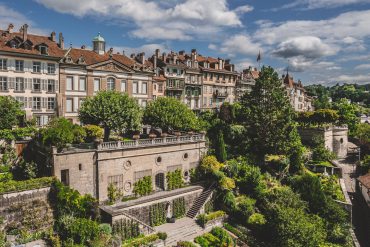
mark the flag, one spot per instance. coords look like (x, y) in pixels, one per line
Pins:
(259, 56)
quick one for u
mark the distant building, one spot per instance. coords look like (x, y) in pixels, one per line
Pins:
(297, 94)
(364, 184)
(29, 71)
(246, 80)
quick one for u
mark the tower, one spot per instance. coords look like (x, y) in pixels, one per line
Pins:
(99, 44)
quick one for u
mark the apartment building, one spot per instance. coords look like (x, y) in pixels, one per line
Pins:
(245, 81)
(84, 72)
(219, 78)
(159, 81)
(299, 100)
(29, 71)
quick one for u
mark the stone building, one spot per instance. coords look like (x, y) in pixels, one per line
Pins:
(90, 169)
(219, 78)
(246, 80)
(29, 71)
(335, 137)
(297, 94)
(84, 72)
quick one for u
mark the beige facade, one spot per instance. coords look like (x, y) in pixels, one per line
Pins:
(246, 80)
(299, 100)
(123, 163)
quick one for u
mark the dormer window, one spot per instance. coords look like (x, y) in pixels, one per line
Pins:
(43, 50)
(81, 60)
(68, 59)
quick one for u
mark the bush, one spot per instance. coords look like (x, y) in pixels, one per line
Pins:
(113, 193)
(256, 220)
(93, 132)
(105, 229)
(245, 208)
(143, 186)
(227, 183)
(174, 179)
(24, 170)
(223, 236)
(140, 241)
(126, 229)
(185, 244)
(210, 164)
(162, 235)
(202, 219)
(178, 207)
(36, 183)
(157, 214)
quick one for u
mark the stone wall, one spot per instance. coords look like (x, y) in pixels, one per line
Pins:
(29, 210)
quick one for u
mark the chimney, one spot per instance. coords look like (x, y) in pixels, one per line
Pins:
(123, 52)
(193, 51)
(164, 57)
(227, 61)
(132, 55)
(157, 51)
(23, 30)
(83, 47)
(111, 50)
(220, 63)
(182, 52)
(10, 28)
(61, 41)
(52, 36)
(142, 58)
(155, 61)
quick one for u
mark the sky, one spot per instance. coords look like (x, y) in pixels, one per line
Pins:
(318, 41)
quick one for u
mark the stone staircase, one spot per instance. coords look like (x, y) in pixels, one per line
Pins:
(199, 202)
(184, 229)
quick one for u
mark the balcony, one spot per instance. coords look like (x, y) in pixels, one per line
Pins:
(218, 94)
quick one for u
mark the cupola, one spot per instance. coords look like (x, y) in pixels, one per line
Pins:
(99, 44)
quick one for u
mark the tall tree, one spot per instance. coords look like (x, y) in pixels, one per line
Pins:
(112, 111)
(268, 116)
(10, 112)
(170, 113)
(220, 148)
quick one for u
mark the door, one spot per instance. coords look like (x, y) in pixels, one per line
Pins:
(159, 181)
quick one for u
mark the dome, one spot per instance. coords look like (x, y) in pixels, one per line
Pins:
(98, 38)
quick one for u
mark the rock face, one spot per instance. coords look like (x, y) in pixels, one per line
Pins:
(336, 138)
(30, 210)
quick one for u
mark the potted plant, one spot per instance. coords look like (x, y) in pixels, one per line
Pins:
(171, 220)
(152, 135)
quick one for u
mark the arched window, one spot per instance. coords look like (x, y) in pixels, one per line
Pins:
(110, 83)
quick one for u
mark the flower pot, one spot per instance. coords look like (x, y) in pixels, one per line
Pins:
(136, 137)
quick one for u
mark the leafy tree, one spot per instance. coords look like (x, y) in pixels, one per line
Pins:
(320, 152)
(23, 170)
(60, 132)
(348, 114)
(227, 112)
(170, 113)
(363, 133)
(269, 115)
(324, 116)
(220, 148)
(10, 112)
(111, 110)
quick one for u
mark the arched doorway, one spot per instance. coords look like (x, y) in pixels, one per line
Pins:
(159, 181)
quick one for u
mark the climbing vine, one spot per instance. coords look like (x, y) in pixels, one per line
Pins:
(157, 214)
(178, 207)
(126, 229)
(175, 180)
(144, 186)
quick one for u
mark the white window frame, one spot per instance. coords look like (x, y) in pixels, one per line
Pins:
(82, 84)
(96, 80)
(19, 65)
(36, 67)
(69, 87)
(111, 83)
(3, 64)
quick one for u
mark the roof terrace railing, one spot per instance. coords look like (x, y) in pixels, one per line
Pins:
(150, 142)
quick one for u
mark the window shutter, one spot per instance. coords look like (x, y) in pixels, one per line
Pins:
(56, 86)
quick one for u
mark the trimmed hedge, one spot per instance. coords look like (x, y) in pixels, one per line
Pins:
(204, 218)
(143, 187)
(140, 241)
(175, 180)
(17, 186)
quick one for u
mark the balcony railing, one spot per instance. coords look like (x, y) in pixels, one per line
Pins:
(150, 142)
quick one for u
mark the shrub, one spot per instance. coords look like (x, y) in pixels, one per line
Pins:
(126, 229)
(105, 228)
(24, 170)
(93, 132)
(185, 244)
(256, 219)
(223, 236)
(245, 208)
(227, 183)
(178, 207)
(113, 193)
(143, 186)
(162, 235)
(140, 241)
(157, 214)
(36, 183)
(210, 164)
(175, 180)
(202, 219)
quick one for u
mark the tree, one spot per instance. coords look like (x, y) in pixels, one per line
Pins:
(111, 110)
(269, 115)
(170, 113)
(60, 132)
(10, 112)
(348, 114)
(324, 116)
(220, 148)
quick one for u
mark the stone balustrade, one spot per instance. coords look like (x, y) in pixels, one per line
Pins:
(151, 142)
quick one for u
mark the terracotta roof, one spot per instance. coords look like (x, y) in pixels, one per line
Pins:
(255, 74)
(33, 40)
(365, 180)
(159, 78)
(289, 80)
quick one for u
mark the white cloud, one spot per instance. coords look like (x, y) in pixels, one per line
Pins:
(363, 67)
(353, 79)
(242, 64)
(237, 44)
(9, 15)
(318, 4)
(179, 20)
(149, 49)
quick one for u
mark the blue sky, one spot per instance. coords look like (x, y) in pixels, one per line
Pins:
(322, 41)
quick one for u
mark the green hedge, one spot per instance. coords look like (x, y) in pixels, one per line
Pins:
(157, 214)
(140, 241)
(126, 229)
(178, 207)
(175, 180)
(217, 237)
(204, 218)
(15, 186)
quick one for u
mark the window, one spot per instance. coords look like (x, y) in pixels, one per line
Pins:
(37, 67)
(3, 83)
(117, 181)
(36, 103)
(69, 105)
(205, 101)
(170, 83)
(19, 65)
(43, 50)
(110, 83)
(3, 64)
(211, 76)
(96, 84)
(144, 88)
(123, 86)
(143, 103)
(51, 68)
(51, 103)
(205, 89)
(64, 177)
(160, 88)
(135, 87)
(51, 86)
(19, 84)
(82, 84)
(69, 85)
(205, 75)
(36, 85)
(210, 102)
(20, 99)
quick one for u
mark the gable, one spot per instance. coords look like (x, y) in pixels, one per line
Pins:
(111, 66)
